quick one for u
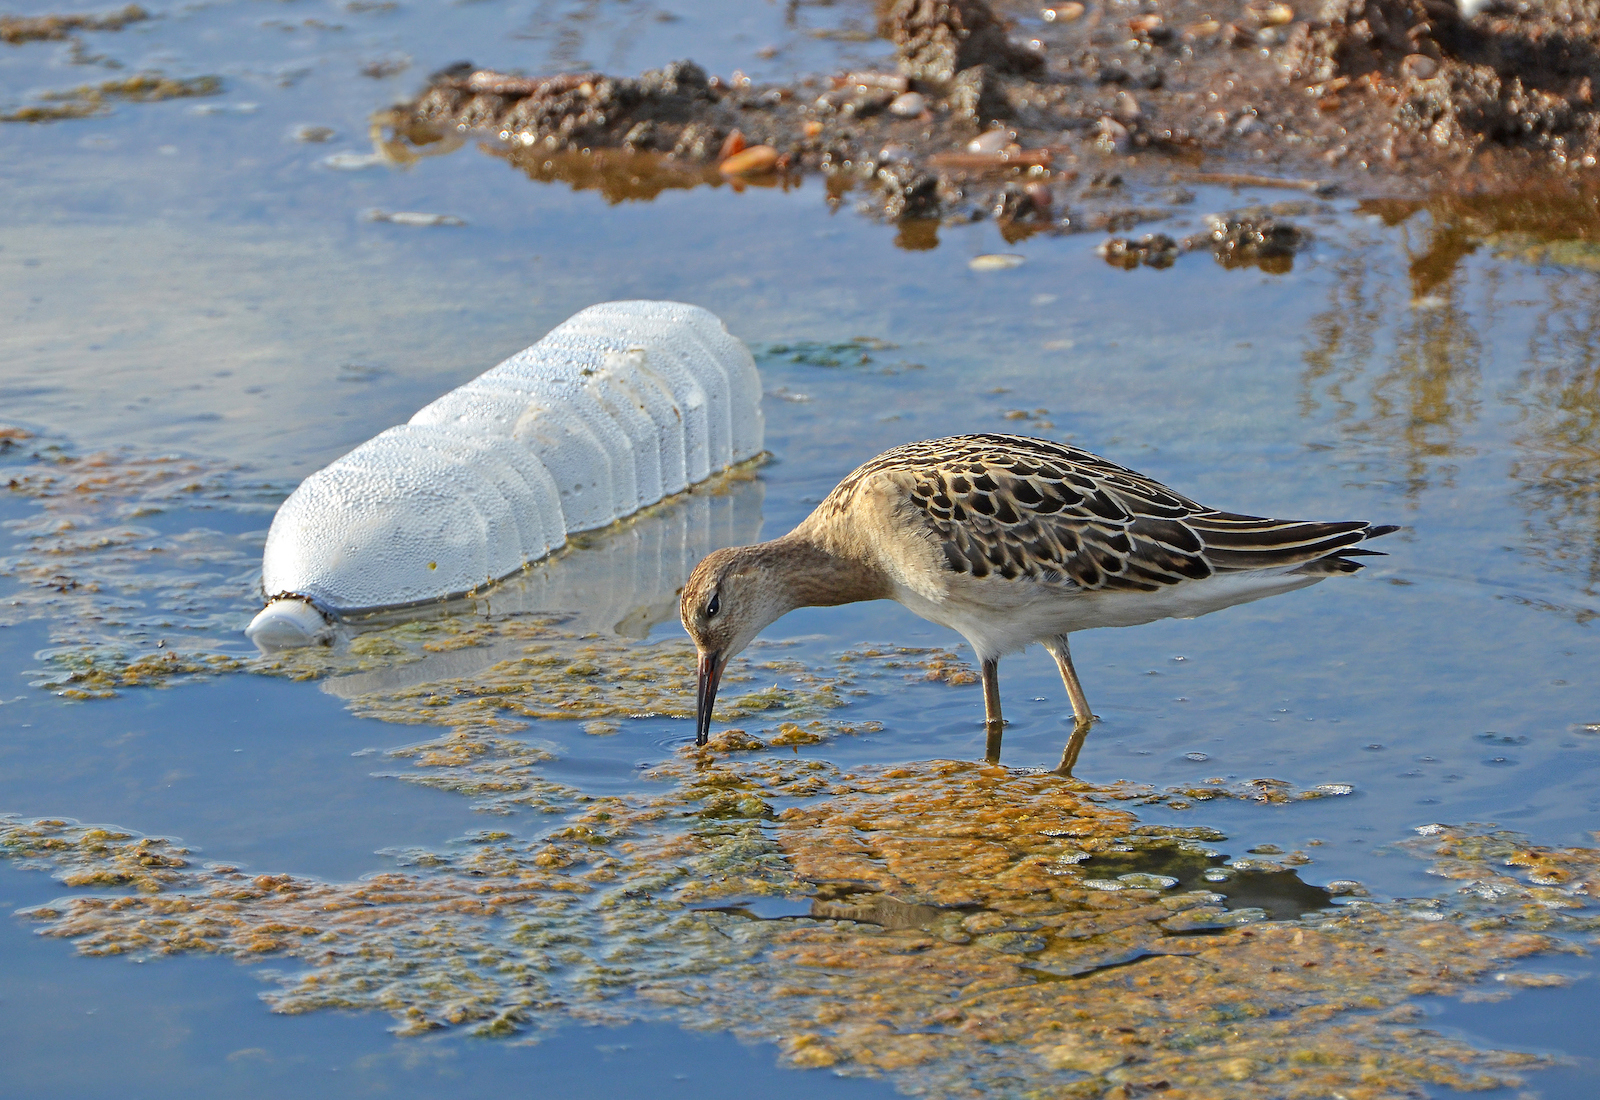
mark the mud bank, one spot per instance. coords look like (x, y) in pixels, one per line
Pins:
(1045, 118)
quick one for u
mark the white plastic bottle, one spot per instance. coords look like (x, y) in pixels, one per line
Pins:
(623, 404)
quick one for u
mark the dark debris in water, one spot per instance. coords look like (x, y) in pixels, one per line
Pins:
(858, 351)
(1259, 237)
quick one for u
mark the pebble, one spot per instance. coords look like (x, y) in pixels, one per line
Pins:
(1063, 13)
(1141, 881)
(996, 261)
(908, 104)
(1419, 66)
(312, 134)
(994, 141)
(752, 161)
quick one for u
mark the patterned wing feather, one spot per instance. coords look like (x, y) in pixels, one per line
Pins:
(1009, 506)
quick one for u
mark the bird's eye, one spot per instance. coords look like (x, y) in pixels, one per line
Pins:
(713, 606)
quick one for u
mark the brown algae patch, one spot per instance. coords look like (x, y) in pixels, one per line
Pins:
(94, 99)
(81, 674)
(16, 29)
(960, 939)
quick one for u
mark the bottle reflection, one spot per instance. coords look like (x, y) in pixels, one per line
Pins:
(621, 580)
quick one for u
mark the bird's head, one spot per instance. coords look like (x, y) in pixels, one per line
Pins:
(729, 598)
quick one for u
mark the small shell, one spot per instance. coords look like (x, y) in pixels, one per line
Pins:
(995, 261)
(908, 104)
(1419, 66)
(753, 161)
(1144, 24)
(1271, 15)
(994, 141)
(733, 146)
(1113, 136)
(412, 218)
(353, 162)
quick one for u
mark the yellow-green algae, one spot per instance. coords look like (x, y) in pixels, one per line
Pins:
(127, 603)
(1012, 969)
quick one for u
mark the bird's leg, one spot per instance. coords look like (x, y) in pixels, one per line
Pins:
(992, 721)
(1082, 717)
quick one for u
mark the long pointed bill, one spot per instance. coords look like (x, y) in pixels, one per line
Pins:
(711, 666)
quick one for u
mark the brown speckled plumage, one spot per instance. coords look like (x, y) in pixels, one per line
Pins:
(1011, 506)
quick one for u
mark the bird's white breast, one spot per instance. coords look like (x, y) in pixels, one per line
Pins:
(999, 616)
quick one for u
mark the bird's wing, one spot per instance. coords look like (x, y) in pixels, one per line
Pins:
(1010, 506)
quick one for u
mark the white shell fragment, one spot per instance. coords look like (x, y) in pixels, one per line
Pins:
(618, 407)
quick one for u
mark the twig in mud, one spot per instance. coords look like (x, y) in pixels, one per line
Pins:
(493, 83)
(1244, 179)
(1028, 158)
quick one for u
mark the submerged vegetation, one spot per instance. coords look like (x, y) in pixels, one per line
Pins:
(951, 928)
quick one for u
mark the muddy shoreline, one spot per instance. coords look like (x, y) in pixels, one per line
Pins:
(1081, 117)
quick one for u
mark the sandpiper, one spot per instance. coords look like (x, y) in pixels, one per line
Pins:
(1007, 540)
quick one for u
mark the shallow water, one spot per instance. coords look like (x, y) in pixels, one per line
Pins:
(207, 285)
